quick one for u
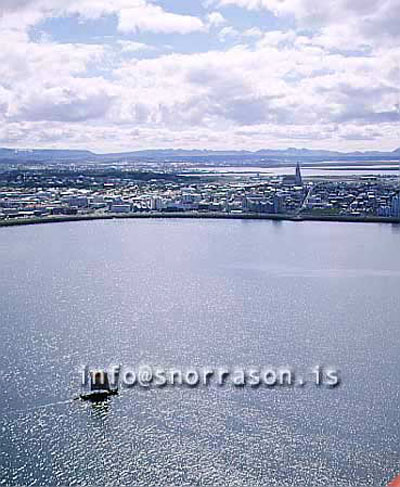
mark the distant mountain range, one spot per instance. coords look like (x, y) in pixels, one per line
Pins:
(265, 156)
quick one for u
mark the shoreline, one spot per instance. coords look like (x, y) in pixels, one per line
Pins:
(225, 216)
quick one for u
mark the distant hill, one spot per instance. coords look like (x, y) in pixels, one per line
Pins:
(44, 154)
(264, 156)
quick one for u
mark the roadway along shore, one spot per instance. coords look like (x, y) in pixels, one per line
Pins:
(214, 215)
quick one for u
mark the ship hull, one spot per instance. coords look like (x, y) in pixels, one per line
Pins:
(98, 396)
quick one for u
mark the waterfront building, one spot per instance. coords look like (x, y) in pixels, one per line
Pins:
(117, 208)
(395, 207)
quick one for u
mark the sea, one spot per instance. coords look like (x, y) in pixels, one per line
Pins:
(189, 294)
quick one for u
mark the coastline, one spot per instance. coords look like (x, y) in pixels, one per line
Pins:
(229, 216)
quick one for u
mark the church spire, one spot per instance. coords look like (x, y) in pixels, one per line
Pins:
(299, 179)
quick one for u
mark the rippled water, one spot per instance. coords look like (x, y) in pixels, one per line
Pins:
(200, 293)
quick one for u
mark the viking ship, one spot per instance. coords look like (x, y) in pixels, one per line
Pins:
(100, 388)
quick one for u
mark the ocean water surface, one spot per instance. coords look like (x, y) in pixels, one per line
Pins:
(195, 293)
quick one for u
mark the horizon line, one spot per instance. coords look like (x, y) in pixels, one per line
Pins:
(254, 151)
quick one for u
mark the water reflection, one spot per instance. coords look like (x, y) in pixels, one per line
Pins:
(182, 293)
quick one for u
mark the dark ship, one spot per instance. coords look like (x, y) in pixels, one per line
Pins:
(100, 389)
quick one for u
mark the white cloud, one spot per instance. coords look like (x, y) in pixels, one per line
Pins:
(134, 47)
(216, 19)
(133, 15)
(335, 87)
(284, 88)
(148, 17)
(227, 33)
(288, 86)
(253, 32)
(359, 20)
(77, 100)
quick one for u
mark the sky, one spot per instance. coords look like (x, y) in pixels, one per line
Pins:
(122, 75)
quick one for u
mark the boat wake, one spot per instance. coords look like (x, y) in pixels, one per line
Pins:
(36, 408)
